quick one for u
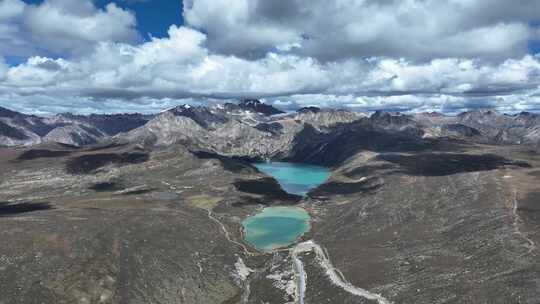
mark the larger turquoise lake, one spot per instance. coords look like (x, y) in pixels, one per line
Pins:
(295, 178)
(276, 227)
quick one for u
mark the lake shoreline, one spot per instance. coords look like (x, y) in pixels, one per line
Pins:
(276, 228)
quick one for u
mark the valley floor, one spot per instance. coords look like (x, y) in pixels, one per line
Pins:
(165, 227)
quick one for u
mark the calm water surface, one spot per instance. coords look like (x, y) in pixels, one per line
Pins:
(295, 178)
(276, 227)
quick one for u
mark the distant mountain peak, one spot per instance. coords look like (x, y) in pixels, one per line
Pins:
(250, 102)
(381, 113)
(525, 113)
(181, 108)
(258, 106)
(8, 113)
(310, 109)
(391, 118)
(432, 114)
(483, 112)
(200, 114)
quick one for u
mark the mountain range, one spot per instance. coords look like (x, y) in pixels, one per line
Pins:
(254, 129)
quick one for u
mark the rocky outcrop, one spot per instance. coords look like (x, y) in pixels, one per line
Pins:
(459, 130)
(488, 126)
(7, 113)
(226, 130)
(18, 129)
(310, 109)
(200, 129)
(323, 119)
(257, 106)
(76, 135)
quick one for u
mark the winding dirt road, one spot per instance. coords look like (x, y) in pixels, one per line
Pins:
(333, 274)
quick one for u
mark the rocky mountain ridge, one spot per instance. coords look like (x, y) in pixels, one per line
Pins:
(18, 129)
(316, 132)
(254, 129)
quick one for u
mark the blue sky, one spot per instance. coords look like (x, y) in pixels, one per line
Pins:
(154, 17)
(91, 56)
(534, 45)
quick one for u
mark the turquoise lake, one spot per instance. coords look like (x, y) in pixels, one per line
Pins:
(295, 178)
(276, 227)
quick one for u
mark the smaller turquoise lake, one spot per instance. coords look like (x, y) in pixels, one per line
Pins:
(295, 178)
(276, 227)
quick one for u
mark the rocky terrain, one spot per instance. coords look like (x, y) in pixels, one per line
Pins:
(18, 129)
(252, 128)
(421, 208)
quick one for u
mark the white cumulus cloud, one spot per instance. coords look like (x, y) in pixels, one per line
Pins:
(404, 55)
(331, 30)
(180, 66)
(61, 27)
